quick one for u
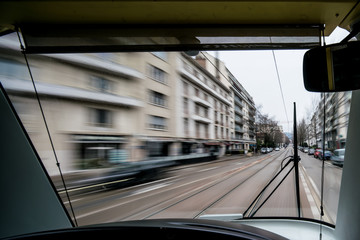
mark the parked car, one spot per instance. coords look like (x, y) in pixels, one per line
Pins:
(277, 149)
(263, 150)
(337, 157)
(311, 151)
(268, 150)
(305, 150)
(327, 155)
(317, 152)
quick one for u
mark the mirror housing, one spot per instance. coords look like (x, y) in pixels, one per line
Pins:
(332, 68)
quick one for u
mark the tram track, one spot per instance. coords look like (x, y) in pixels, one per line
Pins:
(188, 195)
(237, 186)
(88, 189)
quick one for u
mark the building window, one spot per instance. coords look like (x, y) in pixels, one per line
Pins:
(157, 122)
(186, 105)
(197, 109)
(201, 111)
(206, 97)
(100, 83)
(157, 74)
(186, 127)
(186, 88)
(197, 92)
(158, 98)
(197, 129)
(161, 55)
(215, 104)
(187, 67)
(100, 117)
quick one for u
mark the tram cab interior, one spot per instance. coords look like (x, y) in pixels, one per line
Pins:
(31, 208)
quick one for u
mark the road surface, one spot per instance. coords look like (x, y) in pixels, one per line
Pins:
(225, 186)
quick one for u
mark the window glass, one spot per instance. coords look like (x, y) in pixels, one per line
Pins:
(200, 142)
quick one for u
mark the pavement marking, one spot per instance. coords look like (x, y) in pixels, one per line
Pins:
(207, 169)
(95, 185)
(315, 197)
(130, 200)
(313, 207)
(148, 189)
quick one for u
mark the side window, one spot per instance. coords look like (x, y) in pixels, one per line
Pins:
(158, 98)
(156, 122)
(157, 74)
(100, 83)
(100, 117)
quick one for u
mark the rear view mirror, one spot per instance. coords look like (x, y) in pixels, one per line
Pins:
(332, 68)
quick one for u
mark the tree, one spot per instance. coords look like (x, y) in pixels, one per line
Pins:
(301, 132)
(267, 130)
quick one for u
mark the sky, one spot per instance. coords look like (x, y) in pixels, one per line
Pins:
(256, 71)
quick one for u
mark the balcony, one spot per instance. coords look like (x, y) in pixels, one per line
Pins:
(251, 118)
(238, 111)
(251, 133)
(208, 89)
(239, 129)
(94, 63)
(201, 101)
(202, 119)
(239, 102)
(72, 93)
(239, 120)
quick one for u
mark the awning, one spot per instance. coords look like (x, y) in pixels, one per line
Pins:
(213, 143)
(97, 139)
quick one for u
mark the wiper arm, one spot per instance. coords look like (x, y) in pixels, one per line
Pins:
(253, 203)
(294, 159)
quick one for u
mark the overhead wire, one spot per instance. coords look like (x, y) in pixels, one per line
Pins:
(281, 90)
(257, 111)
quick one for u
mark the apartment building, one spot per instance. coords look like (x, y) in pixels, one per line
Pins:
(244, 116)
(206, 104)
(337, 110)
(108, 108)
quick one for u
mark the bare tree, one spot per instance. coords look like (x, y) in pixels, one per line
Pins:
(266, 129)
(301, 132)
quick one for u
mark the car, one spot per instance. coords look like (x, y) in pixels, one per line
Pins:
(317, 152)
(305, 150)
(337, 158)
(268, 150)
(327, 155)
(263, 150)
(277, 149)
(311, 151)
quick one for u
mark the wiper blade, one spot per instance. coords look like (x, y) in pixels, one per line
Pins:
(251, 211)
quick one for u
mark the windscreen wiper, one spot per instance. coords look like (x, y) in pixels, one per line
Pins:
(253, 209)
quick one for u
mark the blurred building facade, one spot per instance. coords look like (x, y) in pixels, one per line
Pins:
(337, 110)
(107, 108)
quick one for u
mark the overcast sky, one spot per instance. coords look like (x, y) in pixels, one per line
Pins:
(256, 71)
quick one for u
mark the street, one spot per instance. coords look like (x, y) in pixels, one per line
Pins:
(224, 186)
